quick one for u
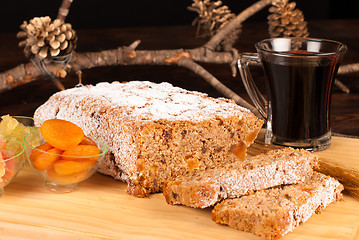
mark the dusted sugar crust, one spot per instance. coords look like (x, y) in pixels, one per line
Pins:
(273, 212)
(155, 132)
(203, 189)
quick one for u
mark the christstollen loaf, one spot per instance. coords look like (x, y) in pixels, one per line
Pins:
(155, 132)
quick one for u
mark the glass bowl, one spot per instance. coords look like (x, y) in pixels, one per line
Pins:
(17, 127)
(13, 158)
(61, 172)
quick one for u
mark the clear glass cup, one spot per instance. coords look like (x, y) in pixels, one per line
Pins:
(75, 169)
(10, 166)
(299, 74)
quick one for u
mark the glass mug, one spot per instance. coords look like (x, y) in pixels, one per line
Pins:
(299, 74)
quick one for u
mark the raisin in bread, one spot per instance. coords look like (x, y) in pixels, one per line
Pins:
(271, 213)
(155, 132)
(202, 189)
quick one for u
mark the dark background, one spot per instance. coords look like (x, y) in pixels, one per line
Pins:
(119, 23)
(111, 13)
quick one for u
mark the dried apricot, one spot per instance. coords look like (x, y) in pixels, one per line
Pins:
(83, 151)
(66, 179)
(45, 160)
(67, 167)
(87, 141)
(61, 134)
(43, 147)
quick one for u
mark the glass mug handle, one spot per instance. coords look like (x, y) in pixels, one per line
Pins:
(257, 98)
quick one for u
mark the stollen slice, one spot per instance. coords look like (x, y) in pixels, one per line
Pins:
(271, 213)
(202, 189)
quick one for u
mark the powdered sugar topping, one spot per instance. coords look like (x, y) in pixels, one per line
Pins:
(159, 101)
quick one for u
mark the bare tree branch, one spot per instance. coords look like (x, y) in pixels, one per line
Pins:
(349, 68)
(128, 56)
(64, 9)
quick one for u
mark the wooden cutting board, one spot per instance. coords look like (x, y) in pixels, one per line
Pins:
(101, 209)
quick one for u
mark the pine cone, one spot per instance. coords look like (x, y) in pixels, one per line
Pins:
(286, 21)
(44, 38)
(213, 16)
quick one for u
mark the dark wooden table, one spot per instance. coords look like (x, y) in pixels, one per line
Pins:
(23, 100)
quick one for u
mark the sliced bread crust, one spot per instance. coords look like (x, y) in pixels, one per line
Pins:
(271, 213)
(202, 189)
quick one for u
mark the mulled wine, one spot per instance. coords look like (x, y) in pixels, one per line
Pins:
(299, 93)
(299, 75)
